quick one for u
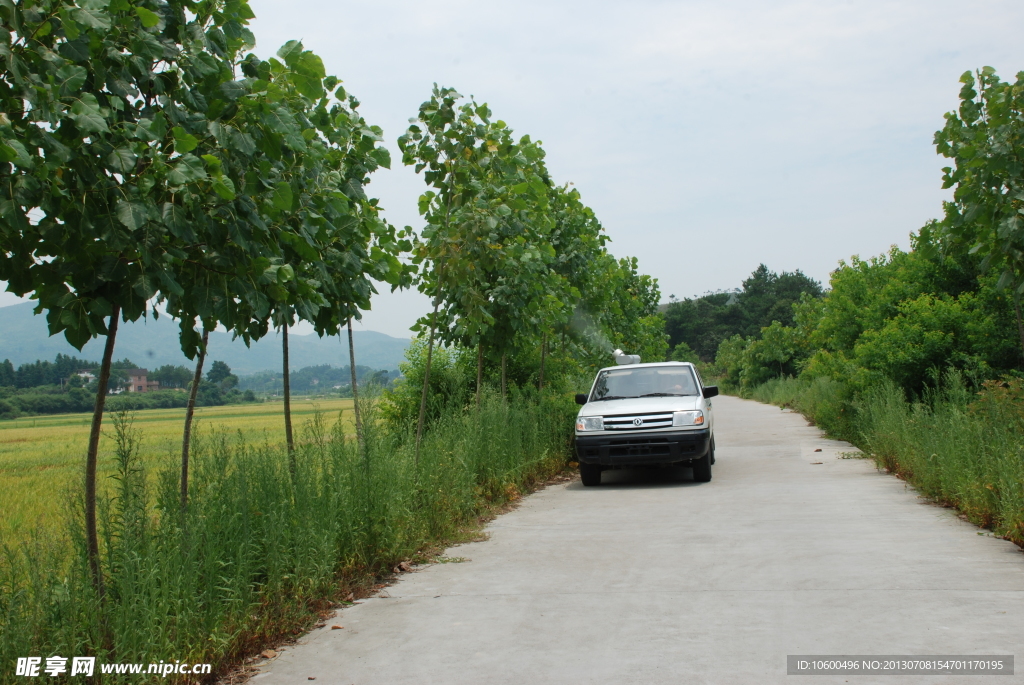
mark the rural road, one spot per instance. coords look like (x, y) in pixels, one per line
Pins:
(651, 578)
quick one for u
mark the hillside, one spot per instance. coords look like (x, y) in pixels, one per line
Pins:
(152, 343)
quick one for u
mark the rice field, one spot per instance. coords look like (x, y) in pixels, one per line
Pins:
(42, 457)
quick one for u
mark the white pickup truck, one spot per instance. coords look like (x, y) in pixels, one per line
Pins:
(646, 415)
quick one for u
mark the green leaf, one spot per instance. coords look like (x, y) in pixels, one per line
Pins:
(382, 156)
(43, 30)
(149, 19)
(301, 246)
(189, 168)
(21, 156)
(290, 51)
(213, 163)
(242, 142)
(233, 90)
(146, 286)
(88, 116)
(132, 214)
(223, 186)
(70, 78)
(75, 324)
(183, 142)
(121, 160)
(93, 18)
(73, 49)
(309, 74)
(7, 154)
(70, 29)
(282, 197)
(176, 219)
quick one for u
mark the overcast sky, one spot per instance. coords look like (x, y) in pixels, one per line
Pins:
(709, 137)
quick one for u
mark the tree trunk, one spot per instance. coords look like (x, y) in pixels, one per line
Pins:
(189, 411)
(91, 536)
(1020, 324)
(502, 375)
(355, 391)
(426, 381)
(543, 355)
(287, 400)
(479, 371)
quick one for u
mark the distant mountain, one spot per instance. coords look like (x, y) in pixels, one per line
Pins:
(24, 338)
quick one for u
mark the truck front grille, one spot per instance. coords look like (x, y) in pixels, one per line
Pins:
(637, 422)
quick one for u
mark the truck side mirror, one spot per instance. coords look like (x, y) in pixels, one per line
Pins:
(710, 391)
(581, 398)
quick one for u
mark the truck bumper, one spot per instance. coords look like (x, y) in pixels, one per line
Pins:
(640, 449)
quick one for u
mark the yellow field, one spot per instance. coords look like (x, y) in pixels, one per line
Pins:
(40, 457)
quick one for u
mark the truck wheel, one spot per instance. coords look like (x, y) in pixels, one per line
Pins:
(712, 449)
(702, 469)
(590, 474)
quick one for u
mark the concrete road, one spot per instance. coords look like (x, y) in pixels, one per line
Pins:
(652, 578)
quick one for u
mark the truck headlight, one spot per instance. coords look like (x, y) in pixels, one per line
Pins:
(688, 418)
(590, 423)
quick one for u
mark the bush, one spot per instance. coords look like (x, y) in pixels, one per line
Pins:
(7, 410)
(452, 375)
(34, 402)
(160, 399)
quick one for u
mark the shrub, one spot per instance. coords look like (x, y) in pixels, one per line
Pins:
(7, 410)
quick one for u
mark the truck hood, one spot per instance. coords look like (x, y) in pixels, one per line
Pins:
(640, 405)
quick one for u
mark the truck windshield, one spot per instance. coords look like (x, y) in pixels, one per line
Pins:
(649, 381)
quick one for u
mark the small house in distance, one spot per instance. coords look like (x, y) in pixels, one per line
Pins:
(137, 381)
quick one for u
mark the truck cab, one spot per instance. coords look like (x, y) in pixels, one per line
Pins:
(646, 415)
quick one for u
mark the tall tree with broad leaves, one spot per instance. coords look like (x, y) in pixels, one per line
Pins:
(578, 240)
(97, 166)
(484, 251)
(442, 143)
(985, 140)
(332, 239)
(300, 240)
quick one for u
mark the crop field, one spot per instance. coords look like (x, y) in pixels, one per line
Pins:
(42, 457)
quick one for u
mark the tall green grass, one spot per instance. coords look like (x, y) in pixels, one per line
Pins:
(258, 552)
(961, 448)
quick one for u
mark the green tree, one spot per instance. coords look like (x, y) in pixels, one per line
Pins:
(683, 353)
(578, 241)
(704, 322)
(171, 376)
(985, 140)
(220, 375)
(6, 373)
(484, 253)
(94, 97)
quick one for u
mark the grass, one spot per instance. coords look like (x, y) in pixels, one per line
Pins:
(41, 457)
(263, 549)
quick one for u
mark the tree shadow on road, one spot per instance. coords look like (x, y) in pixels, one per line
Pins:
(642, 478)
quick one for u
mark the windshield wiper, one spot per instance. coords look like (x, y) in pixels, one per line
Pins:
(663, 394)
(614, 397)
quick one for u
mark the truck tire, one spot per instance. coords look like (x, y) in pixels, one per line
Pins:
(712, 449)
(702, 468)
(590, 474)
